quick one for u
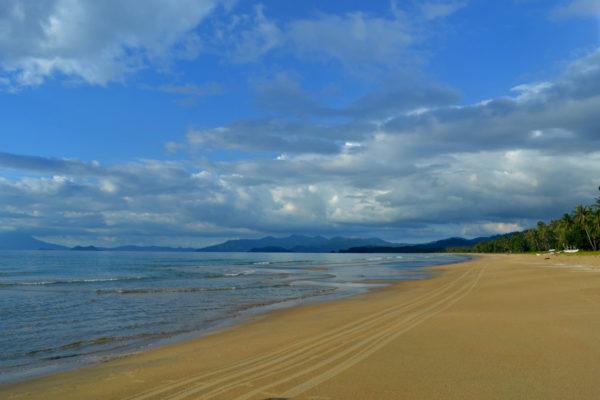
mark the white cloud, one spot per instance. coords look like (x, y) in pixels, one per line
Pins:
(353, 39)
(579, 8)
(98, 42)
(356, 40)
(264, 135)
(256, 39)
(94, 41)
(441, 9)
(108, 186)
(530, 90)
(502, 227)
(493, 166)
(537, 133)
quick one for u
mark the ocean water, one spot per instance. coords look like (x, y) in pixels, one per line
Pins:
(65, 309)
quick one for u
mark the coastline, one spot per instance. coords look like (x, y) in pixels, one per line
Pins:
(494, 327)
(205, 294)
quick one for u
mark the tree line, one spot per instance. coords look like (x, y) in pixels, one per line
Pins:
(578, 229)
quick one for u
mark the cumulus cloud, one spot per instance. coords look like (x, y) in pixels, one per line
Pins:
(358, 41)
(252, 36)
(394, 97)
(94, 42)
(302, 122)
(354, 38)
(441, 9)
(404, 158)
(579, 8)
(264, 135)
(132, 200)
(101, 42)
(284, 95)
(560, 111)
(500, 227)
(501, 163)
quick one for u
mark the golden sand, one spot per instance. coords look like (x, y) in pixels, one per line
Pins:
(499, 327)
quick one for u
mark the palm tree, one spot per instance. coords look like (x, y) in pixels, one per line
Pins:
(580, 215)
(564, 226)
(532, 239)
(595, 226)
(542, 230)
(596, 205)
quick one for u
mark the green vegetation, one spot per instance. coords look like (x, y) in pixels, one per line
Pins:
(580, 229)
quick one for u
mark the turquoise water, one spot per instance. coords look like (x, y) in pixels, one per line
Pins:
(65, 309)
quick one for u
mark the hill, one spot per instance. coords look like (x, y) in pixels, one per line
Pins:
(149, 248)
(295, 243)
(436, 246)
(21, 241)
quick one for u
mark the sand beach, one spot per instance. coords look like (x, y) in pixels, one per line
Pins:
(497, 327)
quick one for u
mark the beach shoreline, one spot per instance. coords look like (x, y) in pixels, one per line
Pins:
(199, 296)
(497, 326)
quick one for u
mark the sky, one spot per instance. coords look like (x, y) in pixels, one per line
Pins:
(191, 122)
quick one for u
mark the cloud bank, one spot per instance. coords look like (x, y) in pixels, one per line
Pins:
(398, 155)
(490, 167)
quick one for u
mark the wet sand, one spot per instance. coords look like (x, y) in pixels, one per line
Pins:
(498, 327)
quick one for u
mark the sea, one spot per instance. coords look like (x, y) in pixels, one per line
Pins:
(63, 310)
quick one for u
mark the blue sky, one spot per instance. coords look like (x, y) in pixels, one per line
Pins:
(191, 122)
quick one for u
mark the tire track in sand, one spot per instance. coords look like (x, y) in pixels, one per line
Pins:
(302, 344)
(305, 354)
(301, 388)
(291, 356)
(322, 349)
(365, 347)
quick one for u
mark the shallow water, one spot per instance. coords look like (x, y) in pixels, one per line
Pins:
(65, 309)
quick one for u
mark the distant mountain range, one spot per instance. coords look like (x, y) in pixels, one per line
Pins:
(133, 248)
(295, 244)
(423, 247)
(20, 241)
(269, 244)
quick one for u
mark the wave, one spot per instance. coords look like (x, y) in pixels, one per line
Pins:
(195, 274)
(247, 272)
(96, 341)
(73, 281)
(183, 290)
(204, 275)
(282, 262)
(211, 275)
(174, 290)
